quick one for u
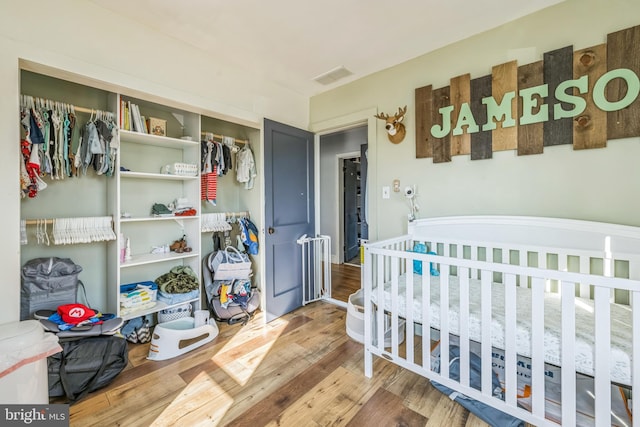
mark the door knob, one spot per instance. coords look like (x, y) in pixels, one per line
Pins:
(271, 230)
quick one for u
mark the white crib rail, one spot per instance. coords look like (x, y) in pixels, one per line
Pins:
(385, 261)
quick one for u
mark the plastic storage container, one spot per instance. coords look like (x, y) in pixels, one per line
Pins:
(24, 348)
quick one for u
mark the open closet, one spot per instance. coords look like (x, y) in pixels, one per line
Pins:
(95, 191)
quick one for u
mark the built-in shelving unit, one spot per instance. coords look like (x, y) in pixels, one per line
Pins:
(142, 177)
(142, 181)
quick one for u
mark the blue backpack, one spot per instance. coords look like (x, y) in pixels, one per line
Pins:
(249, 236)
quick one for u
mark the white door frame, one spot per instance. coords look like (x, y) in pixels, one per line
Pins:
(349, 121)
(339, 231)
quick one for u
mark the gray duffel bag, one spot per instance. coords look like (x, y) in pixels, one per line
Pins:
(47, 283)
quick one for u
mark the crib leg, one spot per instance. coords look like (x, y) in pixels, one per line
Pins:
(368, 363)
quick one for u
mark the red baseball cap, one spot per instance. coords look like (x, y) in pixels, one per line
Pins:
(75, 313)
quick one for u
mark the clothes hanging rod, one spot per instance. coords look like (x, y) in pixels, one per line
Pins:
(244, 214)
(229, 214)
(88, 110)
(39, 221)
(75, 107)
(51, 221)
(239, 141)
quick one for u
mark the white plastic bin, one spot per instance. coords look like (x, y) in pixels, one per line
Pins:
(355, 321)
(24, 348)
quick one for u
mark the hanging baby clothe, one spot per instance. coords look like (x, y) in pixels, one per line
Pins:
(215, 162)
(245, 167)
(47, 148)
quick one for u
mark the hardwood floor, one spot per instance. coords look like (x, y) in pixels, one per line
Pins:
(345, 280)
(299, 370)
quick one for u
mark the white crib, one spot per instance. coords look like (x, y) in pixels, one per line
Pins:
(545, 303)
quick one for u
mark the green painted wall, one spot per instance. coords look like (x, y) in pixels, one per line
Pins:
(600, 184)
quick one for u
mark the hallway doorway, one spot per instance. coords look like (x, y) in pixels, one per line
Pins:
(342, 201)
(351, 210)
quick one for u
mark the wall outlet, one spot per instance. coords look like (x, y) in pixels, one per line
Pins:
(386, 192)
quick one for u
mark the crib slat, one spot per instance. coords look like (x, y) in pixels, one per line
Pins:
(444, 320)
(395, 274)
(562, 261)
(607, 262)
(426, 320)
(562, 266)
(635, 356)
(379, 314)
(463, 318)
(568, 375)
(542, 263)
(634, 273)
(368, 283)
(510, 319)
(537, 348)
(446, 253)
(602, 385)
(523, 261)
(585, 268)
(474, 257)
(409, 309)
(485, 345)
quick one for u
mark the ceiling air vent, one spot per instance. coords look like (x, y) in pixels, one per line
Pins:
(332, 75)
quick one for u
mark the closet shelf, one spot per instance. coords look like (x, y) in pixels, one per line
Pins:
(159, 218)
(148, 175)
(143, 259)
(155, 140)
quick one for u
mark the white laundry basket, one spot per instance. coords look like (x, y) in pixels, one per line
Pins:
(24, 348)
(355, 321)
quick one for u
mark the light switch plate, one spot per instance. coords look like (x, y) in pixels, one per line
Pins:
(385, 192)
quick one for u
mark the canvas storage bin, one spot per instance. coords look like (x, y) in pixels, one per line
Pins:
(355, 321)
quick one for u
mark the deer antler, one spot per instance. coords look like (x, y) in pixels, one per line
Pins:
(401, 111)
(382, 116)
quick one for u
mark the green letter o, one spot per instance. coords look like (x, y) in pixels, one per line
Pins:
(633, 89)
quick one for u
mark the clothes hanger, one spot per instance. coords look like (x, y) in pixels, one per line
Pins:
(46, 234)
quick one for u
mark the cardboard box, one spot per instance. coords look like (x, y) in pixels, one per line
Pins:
(157, 126)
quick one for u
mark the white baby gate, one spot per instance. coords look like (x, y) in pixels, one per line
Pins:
(316, 268)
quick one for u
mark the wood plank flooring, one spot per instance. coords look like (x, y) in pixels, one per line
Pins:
(299, 370)
(345, 280)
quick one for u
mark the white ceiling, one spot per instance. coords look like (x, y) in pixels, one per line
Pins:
(290, 42)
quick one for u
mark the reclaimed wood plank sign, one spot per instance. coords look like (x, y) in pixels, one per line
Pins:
(584, 98)
(442, 144)
(480, 141)
(530, 136)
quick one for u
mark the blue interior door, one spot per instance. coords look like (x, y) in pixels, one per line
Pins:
(289, 213)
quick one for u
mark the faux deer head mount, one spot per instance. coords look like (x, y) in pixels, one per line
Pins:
(395, 128)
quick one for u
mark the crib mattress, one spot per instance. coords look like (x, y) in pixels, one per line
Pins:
(621, 331)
